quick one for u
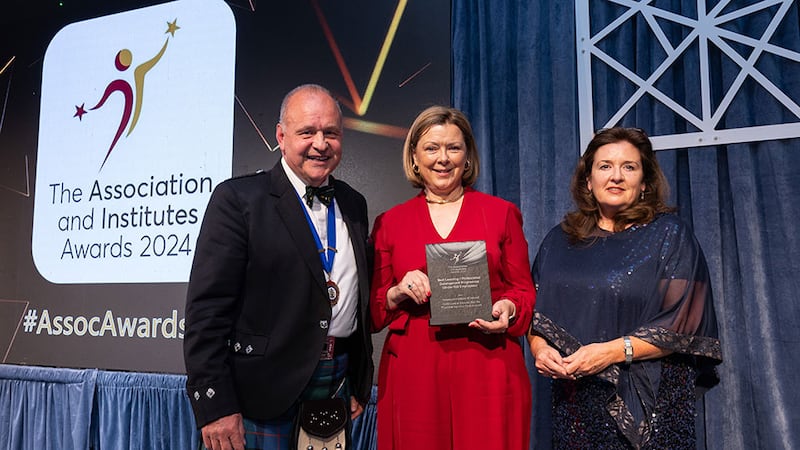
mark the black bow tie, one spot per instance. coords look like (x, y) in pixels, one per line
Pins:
(323, 193)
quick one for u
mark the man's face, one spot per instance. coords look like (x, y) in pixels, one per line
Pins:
(310, 136)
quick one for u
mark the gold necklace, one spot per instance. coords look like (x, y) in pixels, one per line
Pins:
(442, 202)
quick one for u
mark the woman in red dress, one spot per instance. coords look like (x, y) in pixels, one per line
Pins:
(455, 386)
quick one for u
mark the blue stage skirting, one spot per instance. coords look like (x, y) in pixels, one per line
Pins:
(64, 409)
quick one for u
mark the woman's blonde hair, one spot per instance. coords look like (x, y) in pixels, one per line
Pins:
(440, 115)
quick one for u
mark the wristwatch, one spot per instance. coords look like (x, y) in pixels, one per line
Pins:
(628, 349)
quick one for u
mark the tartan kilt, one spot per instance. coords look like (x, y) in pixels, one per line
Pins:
(276, 434)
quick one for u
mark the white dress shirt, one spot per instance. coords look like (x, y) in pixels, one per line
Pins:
(344, 272)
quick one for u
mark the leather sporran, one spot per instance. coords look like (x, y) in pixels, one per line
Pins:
(322, 424)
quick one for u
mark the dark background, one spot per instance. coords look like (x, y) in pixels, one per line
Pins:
(280, 44)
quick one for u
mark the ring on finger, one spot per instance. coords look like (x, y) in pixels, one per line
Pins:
(410, 286)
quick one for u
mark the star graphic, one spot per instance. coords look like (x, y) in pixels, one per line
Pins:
(79, 112)
(172, 27)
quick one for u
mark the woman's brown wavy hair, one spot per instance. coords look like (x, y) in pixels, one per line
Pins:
(581, 223)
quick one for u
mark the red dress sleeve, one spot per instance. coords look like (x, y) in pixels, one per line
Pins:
(515, 274)
(382, 277)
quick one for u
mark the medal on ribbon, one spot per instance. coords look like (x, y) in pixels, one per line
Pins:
(333, 292)
(326, 255)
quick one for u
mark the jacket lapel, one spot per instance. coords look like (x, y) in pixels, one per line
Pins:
(289, 208)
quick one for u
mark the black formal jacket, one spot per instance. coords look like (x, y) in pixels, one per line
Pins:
(257, 309)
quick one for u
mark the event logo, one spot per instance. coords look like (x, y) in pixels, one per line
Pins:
(113, 205)
(122, 63)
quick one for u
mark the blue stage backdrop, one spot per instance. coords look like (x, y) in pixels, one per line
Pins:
(740, 198)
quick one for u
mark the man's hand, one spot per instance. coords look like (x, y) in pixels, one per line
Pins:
(355, 408)
(225, 433)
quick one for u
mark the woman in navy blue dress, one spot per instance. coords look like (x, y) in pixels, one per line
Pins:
(624, 322)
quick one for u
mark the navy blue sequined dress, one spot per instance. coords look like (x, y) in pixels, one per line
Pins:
(649, 281)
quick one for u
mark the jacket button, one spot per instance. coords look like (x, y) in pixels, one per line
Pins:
(323, 324)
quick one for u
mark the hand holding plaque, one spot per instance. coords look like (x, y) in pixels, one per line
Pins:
(459, 278)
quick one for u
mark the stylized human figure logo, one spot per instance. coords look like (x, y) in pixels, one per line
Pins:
(133, 101)
(456, 258)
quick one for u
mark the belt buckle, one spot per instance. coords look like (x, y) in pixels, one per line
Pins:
(327, 348)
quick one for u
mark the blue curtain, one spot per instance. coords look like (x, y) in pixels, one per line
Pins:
(364, 431)
(138, 410)
(514, 70)
(64, 409)
(43, 408)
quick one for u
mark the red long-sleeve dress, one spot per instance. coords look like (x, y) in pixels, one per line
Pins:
(452, 387)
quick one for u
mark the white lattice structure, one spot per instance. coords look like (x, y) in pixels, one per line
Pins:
(707, 30)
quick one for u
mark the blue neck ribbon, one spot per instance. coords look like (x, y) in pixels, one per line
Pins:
(325, 255)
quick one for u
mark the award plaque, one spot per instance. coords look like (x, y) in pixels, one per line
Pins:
(459, 277)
